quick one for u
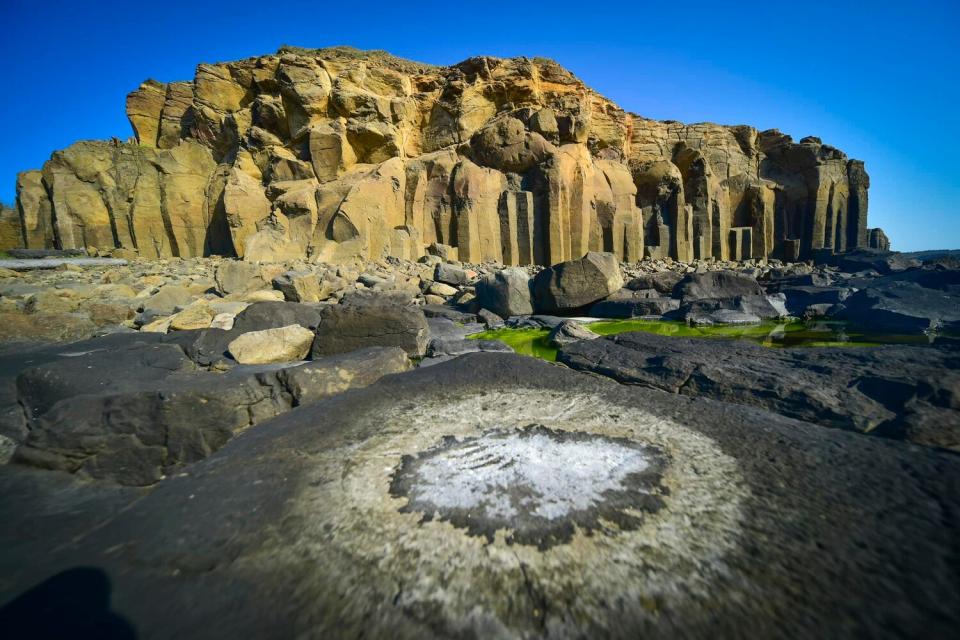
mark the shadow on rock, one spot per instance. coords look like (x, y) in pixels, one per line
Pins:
(74, 603)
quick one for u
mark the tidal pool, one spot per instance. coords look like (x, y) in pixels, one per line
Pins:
(814, 333)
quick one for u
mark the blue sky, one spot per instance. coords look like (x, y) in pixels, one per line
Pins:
(880, 81)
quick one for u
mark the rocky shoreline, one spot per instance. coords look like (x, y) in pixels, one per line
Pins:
(179, 423)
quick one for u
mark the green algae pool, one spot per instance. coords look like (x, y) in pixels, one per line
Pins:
(818, 333)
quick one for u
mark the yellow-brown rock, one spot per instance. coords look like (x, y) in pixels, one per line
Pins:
(338, 154)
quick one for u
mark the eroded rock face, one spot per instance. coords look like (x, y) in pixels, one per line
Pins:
(338, 153)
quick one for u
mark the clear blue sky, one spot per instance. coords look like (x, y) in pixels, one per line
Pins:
(880, 80)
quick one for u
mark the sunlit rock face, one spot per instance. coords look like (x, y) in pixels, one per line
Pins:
(336, 153)
(537, 482)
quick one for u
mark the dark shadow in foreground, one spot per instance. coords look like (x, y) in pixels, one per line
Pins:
(71, 604)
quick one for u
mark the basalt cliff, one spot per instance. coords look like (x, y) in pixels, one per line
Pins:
(332, 154)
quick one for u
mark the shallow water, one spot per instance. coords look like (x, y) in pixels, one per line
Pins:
(815, 333)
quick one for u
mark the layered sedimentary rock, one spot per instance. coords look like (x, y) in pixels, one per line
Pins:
(335, 153)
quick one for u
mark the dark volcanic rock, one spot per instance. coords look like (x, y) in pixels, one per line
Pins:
(575, 284)
(716, 284)
(271, 315)
(736, 519)
(864, 259)
(904, 392)
(368, 322)
(133, 414)
(569, 331)
(506, 293)
(622, 306)
(915, 301)
(662, 282)
(801, 297)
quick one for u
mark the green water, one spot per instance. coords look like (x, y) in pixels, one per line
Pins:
(533, 342)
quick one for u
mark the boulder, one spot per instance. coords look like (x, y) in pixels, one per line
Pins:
(168, 299)
(801, 297)
(633, 306)
(282, 344)
(442, 290)
(298, 286)
(196, 316)
(330, 375)
(663, 282)
(359, 322)
(761, 307)
(575, 284)
(451, 274)
(440, 347)
(270, 315)
(506, 293)
(235, 276)
(569, 331)
(721, 316)
(715, 284)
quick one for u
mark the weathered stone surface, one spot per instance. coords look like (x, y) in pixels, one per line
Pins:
(576, 283)
(716, 284)
(45, 327)
(334, 374)
(298, 286)
(359, 322)
(908, 303)
(11, 231)
(334, 154)
(633, 307)
(662, 282)
(270, 315)
(239, 277)
(884, 262)
(129, 409)
(283, 344)
(450, 274)
(569, 331)
(893, 391)
(506, 293)
(739, 519)
(198, 315)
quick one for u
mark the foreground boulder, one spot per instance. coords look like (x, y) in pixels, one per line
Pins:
(525, 497)
(577, 283)
(366, 321)
(902, 392)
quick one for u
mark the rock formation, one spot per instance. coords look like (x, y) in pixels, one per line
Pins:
(334, 153)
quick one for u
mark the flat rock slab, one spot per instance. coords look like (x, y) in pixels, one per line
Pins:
(129, 411)
(53, 263)
(903, 392)
(500, 496)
